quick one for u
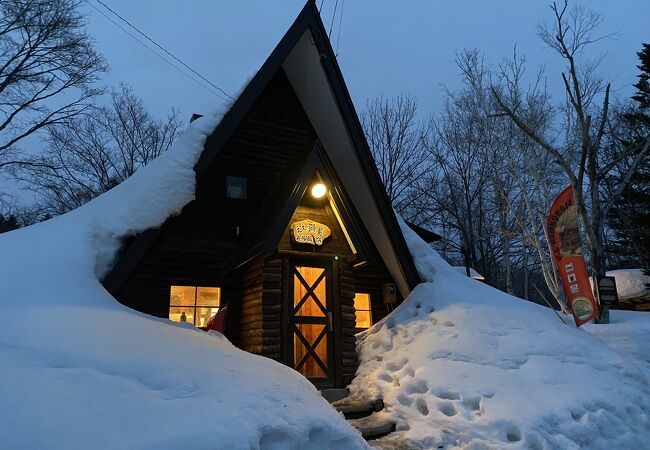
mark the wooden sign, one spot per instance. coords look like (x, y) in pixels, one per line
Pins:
(309, 232)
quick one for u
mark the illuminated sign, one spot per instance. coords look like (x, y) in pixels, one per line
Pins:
(309, 232)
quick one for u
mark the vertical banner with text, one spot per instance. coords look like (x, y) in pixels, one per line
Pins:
(564, 238)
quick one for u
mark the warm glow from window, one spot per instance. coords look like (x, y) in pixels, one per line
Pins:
(318, 190)
(362, 310)
(193, 304)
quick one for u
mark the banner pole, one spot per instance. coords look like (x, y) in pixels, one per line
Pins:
(549, 304)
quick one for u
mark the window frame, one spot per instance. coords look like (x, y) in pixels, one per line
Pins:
(196, 306)
(369, 310)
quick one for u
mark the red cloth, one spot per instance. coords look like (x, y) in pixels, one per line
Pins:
(218, 321)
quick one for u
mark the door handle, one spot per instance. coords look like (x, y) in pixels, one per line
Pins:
(330, 321)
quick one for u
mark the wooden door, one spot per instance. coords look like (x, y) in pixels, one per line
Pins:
(311, 323)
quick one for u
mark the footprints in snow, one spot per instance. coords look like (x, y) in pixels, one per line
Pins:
(417, 395)
(513, 433)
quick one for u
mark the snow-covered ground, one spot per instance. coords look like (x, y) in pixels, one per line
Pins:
(80, 371)
(458, 364)
(629, 333)
(462, 365)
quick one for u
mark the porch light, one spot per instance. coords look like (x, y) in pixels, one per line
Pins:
(318, 190)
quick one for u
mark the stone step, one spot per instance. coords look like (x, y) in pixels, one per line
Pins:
(357, 407)
(373, 426)
(333, 395)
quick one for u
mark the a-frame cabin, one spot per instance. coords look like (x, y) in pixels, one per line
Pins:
(291, 227)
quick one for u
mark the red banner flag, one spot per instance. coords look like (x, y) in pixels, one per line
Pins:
(564, 238)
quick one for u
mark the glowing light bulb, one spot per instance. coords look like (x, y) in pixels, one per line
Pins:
(318, 190)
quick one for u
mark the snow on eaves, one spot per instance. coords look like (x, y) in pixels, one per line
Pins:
(79, 370)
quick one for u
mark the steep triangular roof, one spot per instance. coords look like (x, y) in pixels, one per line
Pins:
(306, 56)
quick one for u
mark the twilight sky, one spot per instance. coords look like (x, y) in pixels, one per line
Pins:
(385, 47)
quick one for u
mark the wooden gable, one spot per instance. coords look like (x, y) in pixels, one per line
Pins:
(276, 141)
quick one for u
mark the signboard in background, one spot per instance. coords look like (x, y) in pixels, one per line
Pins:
(564, 239)
(607, 293)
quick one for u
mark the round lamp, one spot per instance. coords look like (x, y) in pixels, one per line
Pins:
(318, 190)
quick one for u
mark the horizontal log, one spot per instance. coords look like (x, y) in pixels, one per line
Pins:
(259, 340)
(256, 349)
(260, 307)
(262, 332)
(271, 325)
(271, 349)
(252, 321)
(349, 330)
(350, 363)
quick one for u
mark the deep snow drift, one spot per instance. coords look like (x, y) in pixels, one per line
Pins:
(81, 371)
(629, 333)
(462, 365)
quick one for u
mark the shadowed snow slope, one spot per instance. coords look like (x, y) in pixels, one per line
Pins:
(81, 371)
(629, 333)
(460, 364)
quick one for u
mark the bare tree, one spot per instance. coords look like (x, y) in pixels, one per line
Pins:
(459, 186)
(47, 67)
(89, 155)
(577, 144)
(397, 140)
(518, 177)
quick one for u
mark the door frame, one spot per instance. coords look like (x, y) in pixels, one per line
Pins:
(331, 266)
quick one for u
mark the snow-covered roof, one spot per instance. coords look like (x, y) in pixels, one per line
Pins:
(631, 284)
(80, 370)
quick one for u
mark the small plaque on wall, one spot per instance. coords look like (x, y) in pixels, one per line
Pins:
(309, 232)
(236, 187)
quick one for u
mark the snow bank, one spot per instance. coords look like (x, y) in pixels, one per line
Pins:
(631, 283)
(460, 364)
(629, 333)
(79, 370)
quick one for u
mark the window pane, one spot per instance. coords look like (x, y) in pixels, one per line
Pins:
(310, 307)
(363, 319)
(310, 367)
(362, 301)
(182, 296)
(203, 315)
(184, 314)
(208, 296)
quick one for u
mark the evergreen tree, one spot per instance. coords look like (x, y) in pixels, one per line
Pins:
(630, 219)
(8, 223)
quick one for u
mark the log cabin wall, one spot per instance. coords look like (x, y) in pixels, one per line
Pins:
(350, 360)
(256, 319)
(272, 301)
(200, 246)
(245, 317)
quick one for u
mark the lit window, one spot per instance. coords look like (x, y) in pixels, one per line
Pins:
(193, 304)
(362, 310)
